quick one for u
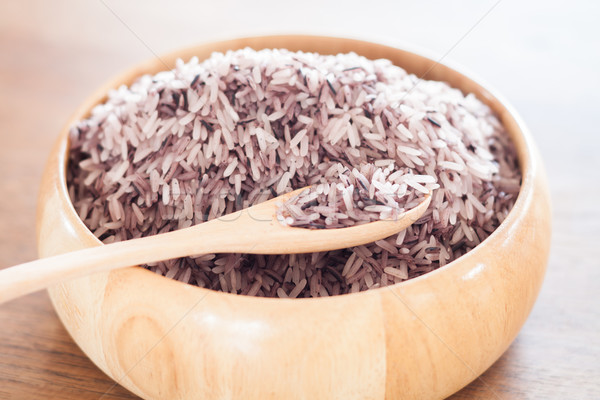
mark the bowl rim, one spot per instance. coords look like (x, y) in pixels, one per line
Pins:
(520, 136)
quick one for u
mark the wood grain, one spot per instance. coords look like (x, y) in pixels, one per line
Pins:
(52, 56)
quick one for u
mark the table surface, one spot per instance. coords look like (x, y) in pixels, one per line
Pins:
(543, 58)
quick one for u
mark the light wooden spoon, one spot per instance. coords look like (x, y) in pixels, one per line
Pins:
(254, 230)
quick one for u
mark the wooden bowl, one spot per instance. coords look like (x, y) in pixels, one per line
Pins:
(424, 338)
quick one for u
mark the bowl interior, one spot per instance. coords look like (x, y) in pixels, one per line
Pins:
(411, 61)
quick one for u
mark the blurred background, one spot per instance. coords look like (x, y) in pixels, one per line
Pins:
(542, 56)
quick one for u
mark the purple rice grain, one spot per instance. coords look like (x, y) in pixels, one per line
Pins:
(134, 170)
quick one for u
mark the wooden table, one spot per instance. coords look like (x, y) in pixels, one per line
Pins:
(544, 60)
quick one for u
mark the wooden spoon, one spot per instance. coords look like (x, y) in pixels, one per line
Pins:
(254, 230)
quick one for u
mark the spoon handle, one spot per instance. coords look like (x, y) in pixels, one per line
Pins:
(39, 274)
(236, 232)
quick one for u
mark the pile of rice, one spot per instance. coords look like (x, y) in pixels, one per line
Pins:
(206, 139)
(355, 197)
